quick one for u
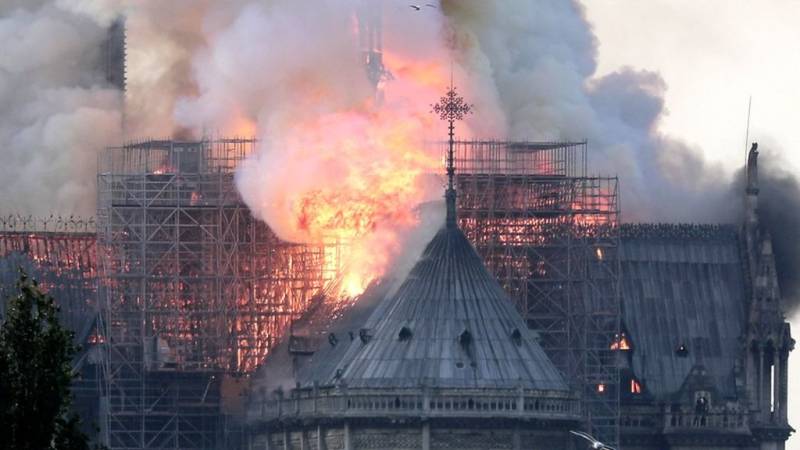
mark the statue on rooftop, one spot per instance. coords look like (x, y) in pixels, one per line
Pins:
(752, 169)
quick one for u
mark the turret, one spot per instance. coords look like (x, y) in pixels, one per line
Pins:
(113, 54)
(768, 340)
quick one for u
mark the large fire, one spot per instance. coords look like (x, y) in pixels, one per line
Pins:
(351, 176)
(364, 170)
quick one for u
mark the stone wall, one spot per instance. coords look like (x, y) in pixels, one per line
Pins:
(412, 437)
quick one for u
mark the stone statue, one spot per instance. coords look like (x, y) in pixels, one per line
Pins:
(752, 169)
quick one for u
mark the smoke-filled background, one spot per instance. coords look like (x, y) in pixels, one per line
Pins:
(56, 110)
(659, 89)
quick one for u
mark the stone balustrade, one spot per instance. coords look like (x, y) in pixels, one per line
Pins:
(718, 418)
(415, 403)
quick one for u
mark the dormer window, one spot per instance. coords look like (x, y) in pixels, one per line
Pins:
(404, 334)
(465, 339)
(516, 337)
(364, 335)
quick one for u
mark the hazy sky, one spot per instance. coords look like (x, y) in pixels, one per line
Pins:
(713, 55)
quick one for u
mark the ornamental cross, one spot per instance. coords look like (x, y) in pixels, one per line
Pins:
(452, 106)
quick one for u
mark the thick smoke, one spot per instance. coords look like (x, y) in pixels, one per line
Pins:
(57, 111)
(779, 213)
(335, 161)
(167, 40)
(541, 59)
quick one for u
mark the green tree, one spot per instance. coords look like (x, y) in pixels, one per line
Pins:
(35, 375)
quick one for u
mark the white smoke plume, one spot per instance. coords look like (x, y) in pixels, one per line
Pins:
(334, 161)
(57, 111)
(165, 41)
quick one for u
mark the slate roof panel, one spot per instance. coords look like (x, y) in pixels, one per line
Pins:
(448, 291)
(685, 289)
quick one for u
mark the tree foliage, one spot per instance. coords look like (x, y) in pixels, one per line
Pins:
(35, 375)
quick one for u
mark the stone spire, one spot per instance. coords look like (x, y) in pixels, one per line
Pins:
(451, 107)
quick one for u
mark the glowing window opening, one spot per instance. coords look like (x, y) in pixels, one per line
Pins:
(620, 343)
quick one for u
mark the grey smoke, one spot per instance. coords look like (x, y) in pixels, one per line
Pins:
(57, 111)
(541, 57)
(779, 213)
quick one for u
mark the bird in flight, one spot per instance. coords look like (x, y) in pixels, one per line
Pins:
(595, 443)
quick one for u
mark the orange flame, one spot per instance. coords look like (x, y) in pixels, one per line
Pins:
(352, 177)
(620, 343)
(362, 204)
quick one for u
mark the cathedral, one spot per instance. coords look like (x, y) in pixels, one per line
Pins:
(443, 360)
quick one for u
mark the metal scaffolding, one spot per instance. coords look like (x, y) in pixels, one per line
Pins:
(197, 290)
(550, 234)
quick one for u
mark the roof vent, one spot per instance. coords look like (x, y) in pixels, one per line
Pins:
(405, 334)
(364, 335)
(682, 351)
(465, 339)
(516, 337)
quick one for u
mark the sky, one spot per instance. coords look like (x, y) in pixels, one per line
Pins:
(714, 55)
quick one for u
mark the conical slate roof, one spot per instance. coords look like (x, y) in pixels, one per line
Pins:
(448, 325)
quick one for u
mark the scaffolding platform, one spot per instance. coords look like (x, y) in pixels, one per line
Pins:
(197, 288)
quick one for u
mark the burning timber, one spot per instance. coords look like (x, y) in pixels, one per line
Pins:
(61, 254)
